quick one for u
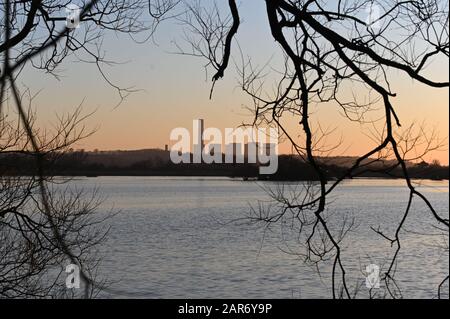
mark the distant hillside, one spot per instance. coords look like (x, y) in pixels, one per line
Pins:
(158, 157)
(122, 159)
(156, 162)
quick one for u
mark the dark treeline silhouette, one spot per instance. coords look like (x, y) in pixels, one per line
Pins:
(155, 162)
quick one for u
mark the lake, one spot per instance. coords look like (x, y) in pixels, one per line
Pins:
(184, 237)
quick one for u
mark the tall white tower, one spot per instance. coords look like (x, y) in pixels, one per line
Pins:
(202, 129)
(198, 142)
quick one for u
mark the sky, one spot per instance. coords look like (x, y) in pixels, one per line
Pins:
(172, 90)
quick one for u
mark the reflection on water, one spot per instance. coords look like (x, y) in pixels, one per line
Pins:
(171, 239)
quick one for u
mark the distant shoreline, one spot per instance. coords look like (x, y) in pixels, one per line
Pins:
(157, 163)
(246, 179)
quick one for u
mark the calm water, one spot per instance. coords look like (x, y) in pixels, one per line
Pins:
(173, 238)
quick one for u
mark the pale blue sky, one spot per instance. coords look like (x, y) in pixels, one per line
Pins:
(175, 90)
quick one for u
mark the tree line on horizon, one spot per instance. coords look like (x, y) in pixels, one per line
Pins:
(157, 163)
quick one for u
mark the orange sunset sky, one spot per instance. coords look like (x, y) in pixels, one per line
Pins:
(172, 90)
